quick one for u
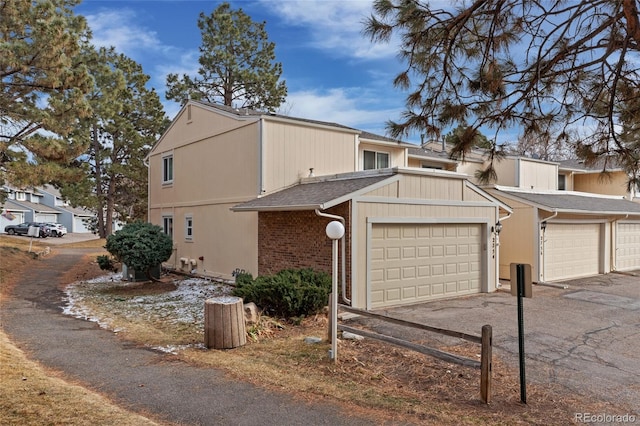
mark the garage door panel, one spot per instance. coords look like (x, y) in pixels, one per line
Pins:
(571, 250)
(408, 292)
(424, 261)
(424, 291)
(628, 246)
(409, 272)
(437, 251)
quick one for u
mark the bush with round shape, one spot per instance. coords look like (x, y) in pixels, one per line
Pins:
(140, 246)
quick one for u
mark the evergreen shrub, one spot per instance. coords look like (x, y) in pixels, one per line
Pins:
(290, 293)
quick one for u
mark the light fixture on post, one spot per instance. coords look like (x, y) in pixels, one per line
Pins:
(498, 227)
(335, 231)
(543, 226)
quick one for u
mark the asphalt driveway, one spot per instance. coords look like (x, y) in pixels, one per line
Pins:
(135, 377)
(585, 337)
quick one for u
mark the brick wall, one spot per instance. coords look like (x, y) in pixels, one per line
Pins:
(297, 239)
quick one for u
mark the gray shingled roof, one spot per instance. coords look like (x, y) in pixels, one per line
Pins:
(10, 205)
(313, 195)
(246, 112)
(579, 165)
(578, 203)
(430, 153)
(40, 208)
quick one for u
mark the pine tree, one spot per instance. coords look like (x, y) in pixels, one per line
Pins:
(547, 68)
(42, 87)
(237, 65)
(127, 119)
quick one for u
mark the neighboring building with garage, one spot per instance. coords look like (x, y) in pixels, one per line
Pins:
(567, 222)
(240, 190)
(565, 235)
(43, 204)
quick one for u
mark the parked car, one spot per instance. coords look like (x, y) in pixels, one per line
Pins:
(23, 229)
(56, 229)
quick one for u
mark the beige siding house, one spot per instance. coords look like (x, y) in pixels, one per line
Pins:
(564, 227)
(566, 235)
(242, 190)
(568, 220)
(575, 176)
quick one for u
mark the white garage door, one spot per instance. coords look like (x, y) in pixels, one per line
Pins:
(571, 251)
(12, 218)
(46, 217)
(628, 246)
(412, 263)
(80, 225)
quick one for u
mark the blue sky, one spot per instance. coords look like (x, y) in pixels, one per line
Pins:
(332, 71)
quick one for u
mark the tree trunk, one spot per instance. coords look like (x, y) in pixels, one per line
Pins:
(224, 326)
(98, 178)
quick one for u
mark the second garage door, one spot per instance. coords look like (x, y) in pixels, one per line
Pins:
(628, 246)
(571, 250)
(412, 263)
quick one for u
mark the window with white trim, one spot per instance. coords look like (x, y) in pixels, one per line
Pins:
(375, 160)
(562, 182)
(167, 169)
(188, 228)
(21, 196)
(167, 225)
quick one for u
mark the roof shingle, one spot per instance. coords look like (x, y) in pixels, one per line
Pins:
(312, 195)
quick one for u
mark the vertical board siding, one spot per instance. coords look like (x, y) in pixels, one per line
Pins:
(290, 150)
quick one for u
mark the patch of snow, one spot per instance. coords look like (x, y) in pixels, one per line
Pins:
(184, 305)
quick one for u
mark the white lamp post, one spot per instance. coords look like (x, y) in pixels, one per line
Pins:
(335, 231)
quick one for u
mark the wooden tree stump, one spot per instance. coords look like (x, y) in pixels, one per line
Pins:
(224, 323)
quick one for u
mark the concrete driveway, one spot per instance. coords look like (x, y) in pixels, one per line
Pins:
(585, 337)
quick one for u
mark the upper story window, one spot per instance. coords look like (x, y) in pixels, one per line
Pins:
(21, 196)
(375, 160)
(431, 166)
(562, 182)
(188, 228)
(167, 169)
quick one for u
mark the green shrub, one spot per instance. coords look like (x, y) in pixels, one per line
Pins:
(105, 262)
(290, 293)
(141, 246)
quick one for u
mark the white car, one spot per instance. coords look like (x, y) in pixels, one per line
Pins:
(56, 229)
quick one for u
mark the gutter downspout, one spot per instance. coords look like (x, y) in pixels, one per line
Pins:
(541, 255)
(344, 256)
(614, 248)
(496, 248)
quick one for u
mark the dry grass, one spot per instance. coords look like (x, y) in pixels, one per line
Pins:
(33, 395)
(370, 378)
(389, 383)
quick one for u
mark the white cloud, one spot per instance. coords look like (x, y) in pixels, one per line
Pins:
(334, 26)
(351, 107)
(119, 28)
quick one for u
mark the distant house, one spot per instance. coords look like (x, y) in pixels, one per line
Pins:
(240, 190)
(76, 219)
(575, 176)
(42, 204)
